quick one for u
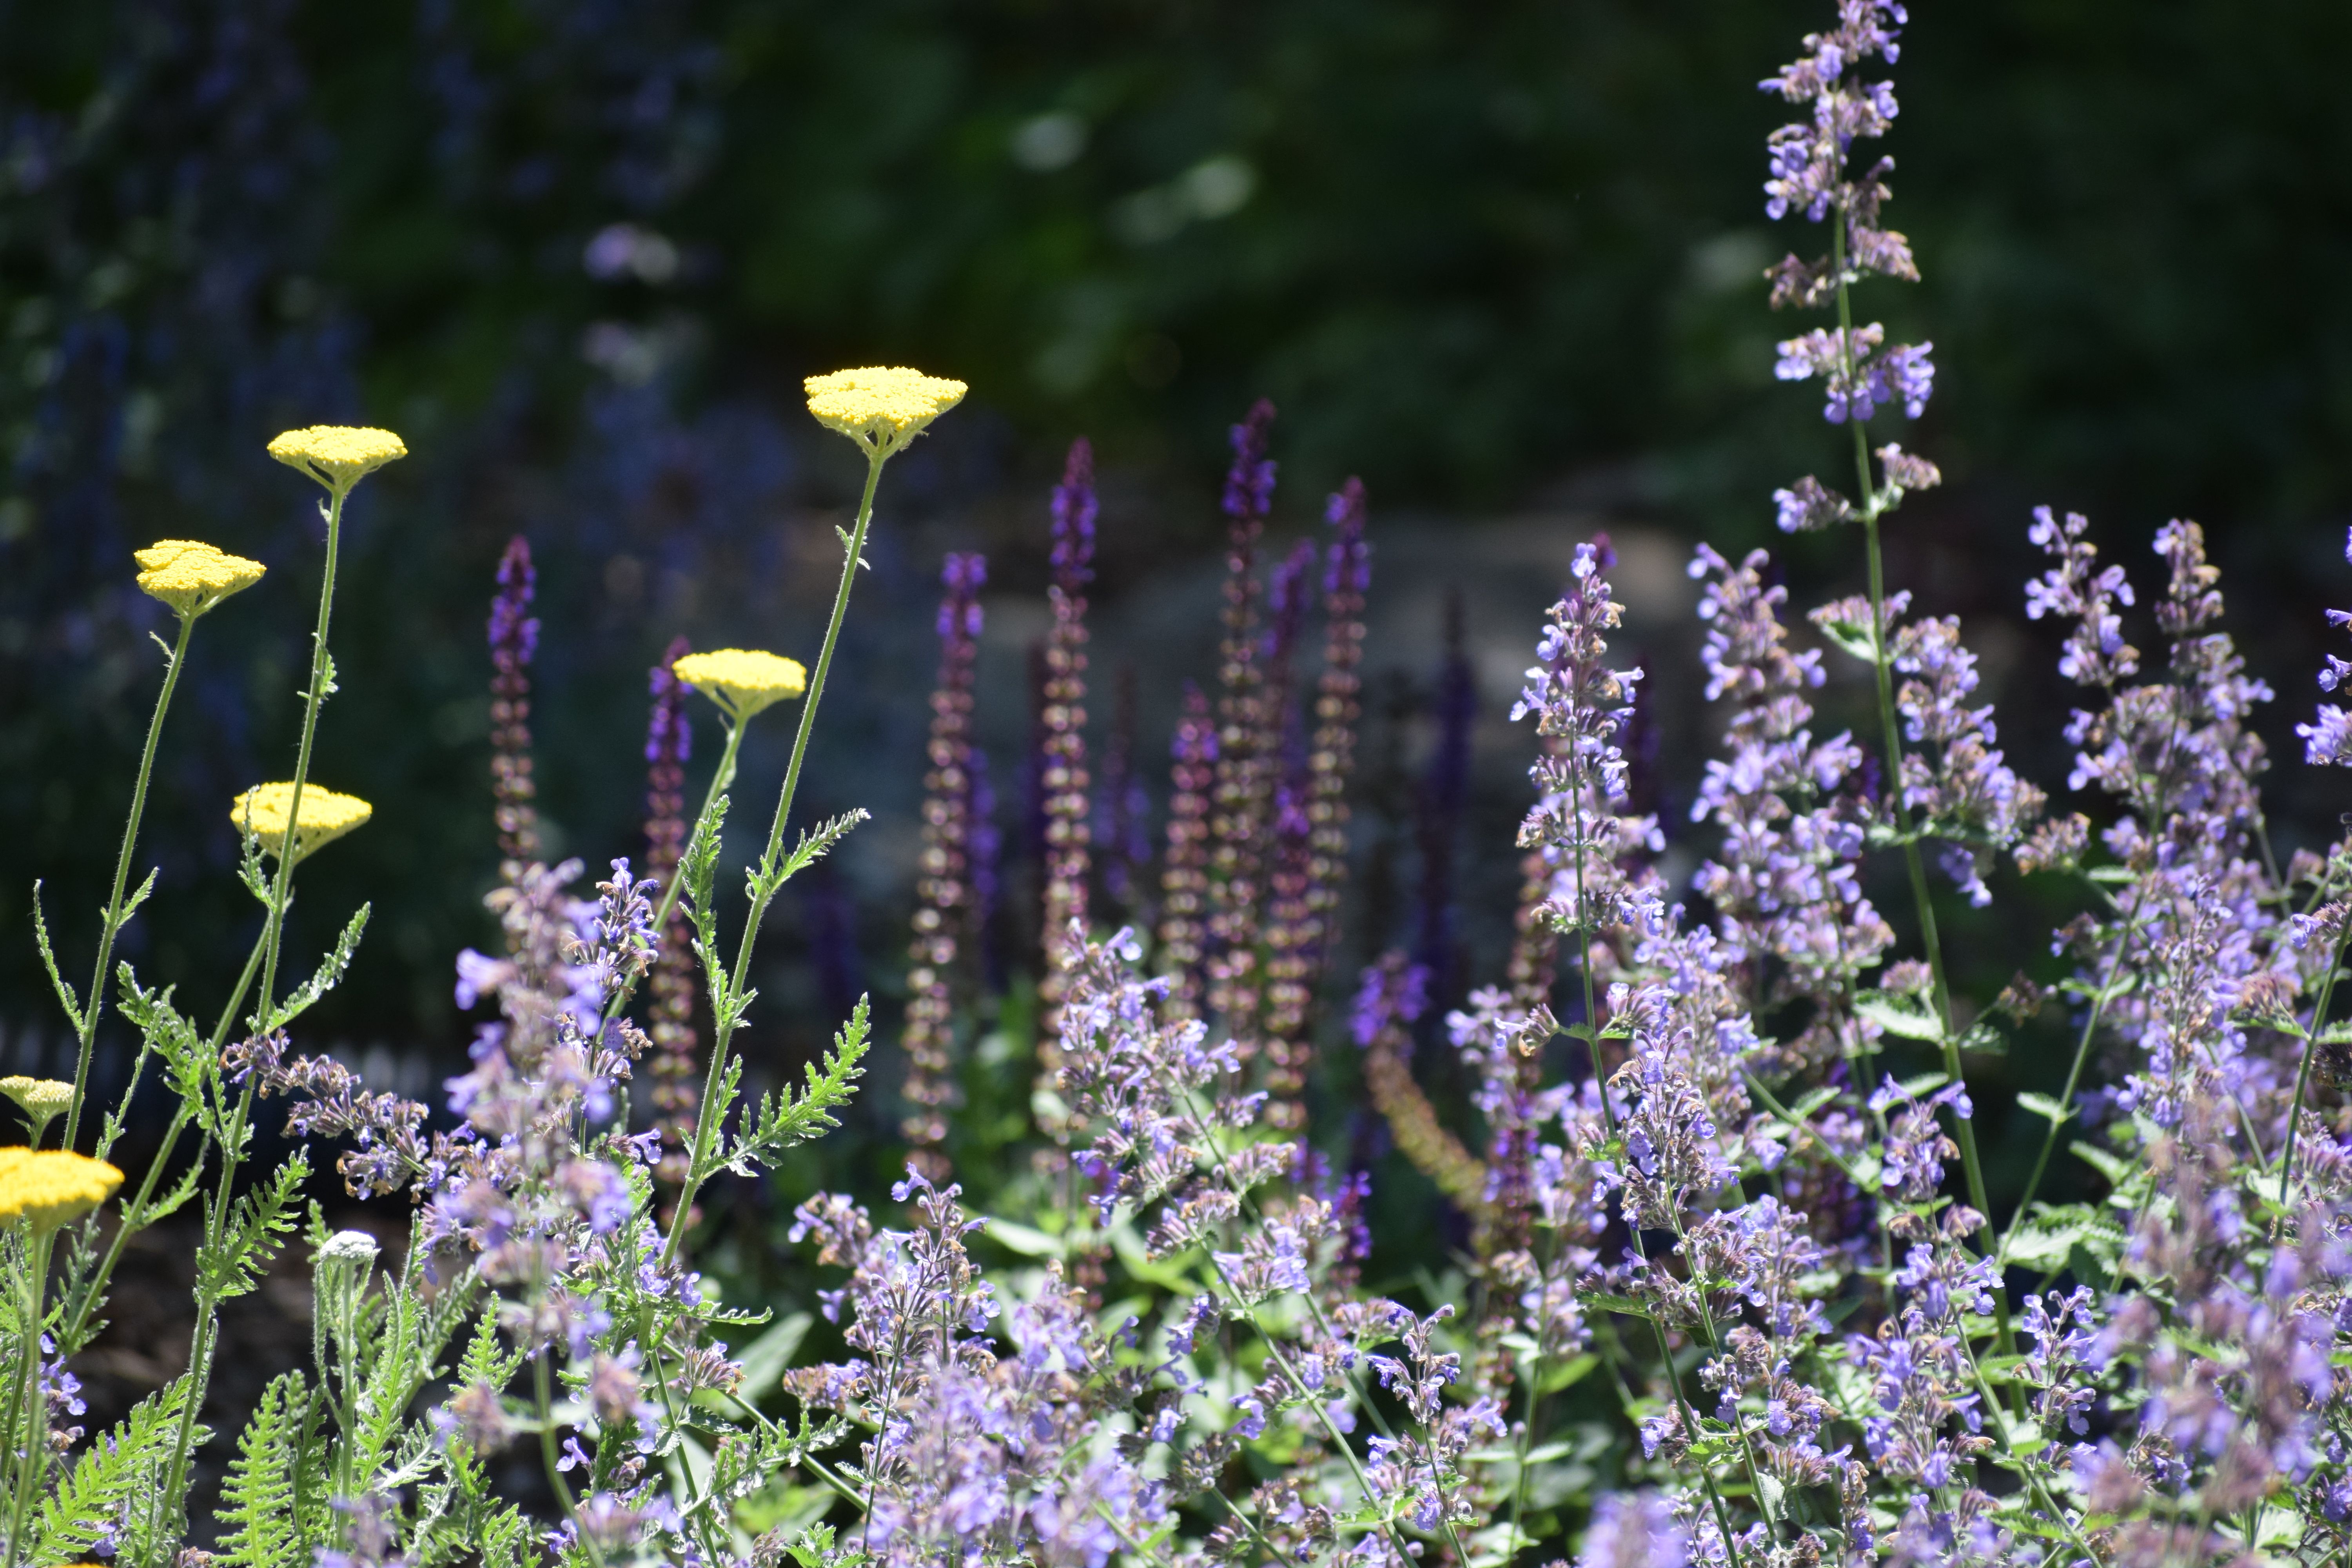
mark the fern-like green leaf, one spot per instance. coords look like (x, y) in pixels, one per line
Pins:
(258, 1225)
(97, 1494)
(784, 1120)
(66, 998)
(328, 973)
(271, 1498)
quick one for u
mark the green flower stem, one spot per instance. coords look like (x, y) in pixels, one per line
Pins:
(2303, 1073)
(207, 1334)
(94, 1002)
(1882, 667)
(765, 881)
(1666, 1351)
(31, 1423)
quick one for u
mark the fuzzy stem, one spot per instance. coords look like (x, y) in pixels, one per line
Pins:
(766, 881)
(2303, 1073)
(94, 1002)
(1882, 667)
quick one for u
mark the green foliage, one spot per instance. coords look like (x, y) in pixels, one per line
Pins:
(784, 1120)
(66, 998)
(258, 1225)
(114, 1482)
(328, 973)
(274, 1499)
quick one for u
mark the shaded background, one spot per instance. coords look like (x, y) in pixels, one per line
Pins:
(1502, 261)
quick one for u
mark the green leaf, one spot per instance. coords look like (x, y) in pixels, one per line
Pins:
(2113, 1166)
(66, 997)
(784, 1120)
(2049, 1110)
(1899, 1019)
(813, 846)
(273, 1496)
(257, 1224)
(765, 1359)
(1026, 1240)
(107, 1483)
(328, 973)
(1855, 640)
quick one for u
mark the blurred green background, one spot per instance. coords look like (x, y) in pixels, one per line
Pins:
(1501, 260)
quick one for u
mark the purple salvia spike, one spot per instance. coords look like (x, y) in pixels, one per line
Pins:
(1184, 869)
(1248, 738)
(514, 640)
(1065, 783)
(676, 1081)
(943, 915)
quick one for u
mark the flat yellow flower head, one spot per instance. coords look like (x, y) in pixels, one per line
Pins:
(41, 1097)
(327, 816)
(51, 1187)
(881, 407)
(338, 456)
(191, 576)
(742, 680)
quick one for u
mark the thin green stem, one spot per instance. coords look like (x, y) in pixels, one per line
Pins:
(1882, 668)
(1632, 1226)
(232, 1142)
(765, 880)
(2303, 1073)
(543, 1402)
(32, 1409)
(95, 1001)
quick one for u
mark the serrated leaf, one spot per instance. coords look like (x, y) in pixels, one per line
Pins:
(2049, 1110)
(66, 998)
(325, 978)
(1897, 1019)
(2109, 1163)
(784, 1120)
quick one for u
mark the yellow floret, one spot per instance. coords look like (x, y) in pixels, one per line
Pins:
(50, 1186)
(338, 456)
(881, 407)
(41, 1097)
(742, 680)
(193, 576)
(327, 816)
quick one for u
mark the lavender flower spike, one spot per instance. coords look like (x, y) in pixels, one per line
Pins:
(1067, 831)
(514, 639)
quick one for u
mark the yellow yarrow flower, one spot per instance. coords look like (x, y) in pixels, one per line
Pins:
(742, 680)
(193, 576)
(881, 407)
(327, 816)
(338, 456)
(50, 1186)
(42, 1097)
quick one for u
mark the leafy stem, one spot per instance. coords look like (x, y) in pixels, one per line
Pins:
(116, 914)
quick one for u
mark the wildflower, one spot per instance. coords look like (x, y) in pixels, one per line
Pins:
(1634, 1530)
(514, 639)
(880, 407)
(39, 1097)
(50, 1186)
(338, 456)
(191, 576)
(742, 681)
(326, 815)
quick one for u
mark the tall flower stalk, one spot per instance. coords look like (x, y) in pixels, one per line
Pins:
(1184, 869)
(514, 640)
(1861, 374)
(669, 745)
(1069, 831)
(189, 578)
(881, 411)
(946, 913)
(1245, 759)
(338, 458)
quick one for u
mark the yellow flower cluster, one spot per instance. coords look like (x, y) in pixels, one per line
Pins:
(881, 407)
(50, 1186)
(193, 576)
(742, 680)
(338, 456)
(327, 816)
(41, 1097)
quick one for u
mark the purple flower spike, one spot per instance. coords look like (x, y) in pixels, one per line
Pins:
(1249, 483)
(1073, 518)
